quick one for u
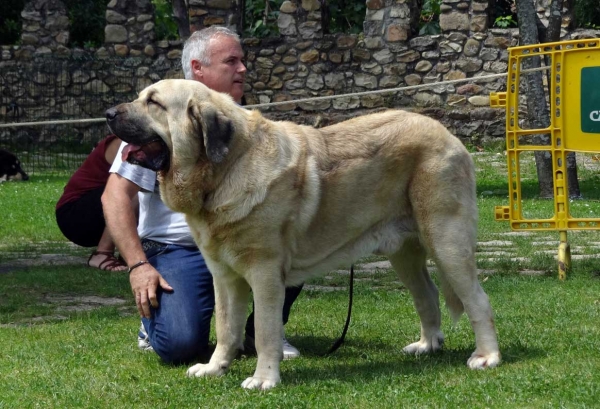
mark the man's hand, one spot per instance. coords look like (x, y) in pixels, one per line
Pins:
(119, 202)
(145, 281)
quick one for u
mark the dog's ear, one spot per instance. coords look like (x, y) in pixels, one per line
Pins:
(217, 131)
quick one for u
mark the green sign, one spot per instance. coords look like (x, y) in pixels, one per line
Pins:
(590, 100)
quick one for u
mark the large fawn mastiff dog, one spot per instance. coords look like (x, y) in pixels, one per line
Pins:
(272, 204)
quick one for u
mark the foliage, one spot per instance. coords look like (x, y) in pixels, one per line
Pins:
(505, 13)
(87, 21)
(343, 16)
(165, 26)
(260, 18)
(346, 16)
(429, 19)
(504, 21)
(10, 21)
(587, 13)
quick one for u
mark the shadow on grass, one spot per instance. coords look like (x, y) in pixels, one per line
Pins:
(355, 359)
(312, 346)
(17, 256)
(529, 188)
(47, 293)
(360, 364)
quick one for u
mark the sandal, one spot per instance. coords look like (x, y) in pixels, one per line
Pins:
(110, 263)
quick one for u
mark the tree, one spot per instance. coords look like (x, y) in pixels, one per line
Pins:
(532, 31)
(181, 15)
(552, 34)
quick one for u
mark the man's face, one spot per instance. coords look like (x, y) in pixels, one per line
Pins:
(227, 71)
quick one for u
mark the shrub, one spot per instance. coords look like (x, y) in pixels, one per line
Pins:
(165, 26)
(10, 21)
(429, 19)
(260, 18)
(587, 13)
(341, 16)
(346, 16)
(87, 21)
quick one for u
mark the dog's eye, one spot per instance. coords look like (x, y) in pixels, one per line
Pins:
(153, 102)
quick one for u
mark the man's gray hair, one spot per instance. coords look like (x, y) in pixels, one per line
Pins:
(196, 47)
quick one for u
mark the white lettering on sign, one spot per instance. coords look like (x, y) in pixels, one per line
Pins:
(595, 116)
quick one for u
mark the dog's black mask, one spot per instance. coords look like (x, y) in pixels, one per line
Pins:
(146, 148)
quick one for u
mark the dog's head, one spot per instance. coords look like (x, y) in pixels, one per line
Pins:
(164, 119)
(10, 167)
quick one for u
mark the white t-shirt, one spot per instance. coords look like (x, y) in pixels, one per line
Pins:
(157, 222)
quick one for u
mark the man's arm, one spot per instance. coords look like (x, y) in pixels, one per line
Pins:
(120, 215)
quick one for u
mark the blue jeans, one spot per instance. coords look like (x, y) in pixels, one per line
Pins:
(180, 327)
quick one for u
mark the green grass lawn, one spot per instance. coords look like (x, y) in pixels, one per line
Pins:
(55, 356)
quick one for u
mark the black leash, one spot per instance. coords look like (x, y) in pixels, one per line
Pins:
(340, 340)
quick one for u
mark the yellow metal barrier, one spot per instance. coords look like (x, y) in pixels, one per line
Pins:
(574, 126)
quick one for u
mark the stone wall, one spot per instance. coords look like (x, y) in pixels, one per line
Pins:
(45, 29)
(388, 55)
(302, 63)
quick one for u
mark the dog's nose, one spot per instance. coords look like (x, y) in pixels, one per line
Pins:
(111, 113)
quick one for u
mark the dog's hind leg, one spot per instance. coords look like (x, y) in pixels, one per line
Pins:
(453, 250)
(409, 263)
(231, 299)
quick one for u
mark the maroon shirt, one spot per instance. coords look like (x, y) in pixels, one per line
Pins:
(92, 174)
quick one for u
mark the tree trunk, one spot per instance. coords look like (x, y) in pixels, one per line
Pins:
(182, 18)
(554, 21)
(325, 16)
(537, 109)
(551, 35)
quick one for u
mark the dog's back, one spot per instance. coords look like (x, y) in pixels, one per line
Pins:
(10, 167)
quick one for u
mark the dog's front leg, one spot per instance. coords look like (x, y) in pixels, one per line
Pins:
(231, 305)
(269, 294)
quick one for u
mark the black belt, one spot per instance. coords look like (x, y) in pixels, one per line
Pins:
(148, 245)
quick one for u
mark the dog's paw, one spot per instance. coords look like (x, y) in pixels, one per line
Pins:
(425, 345)
(200, 370)
(479, 361)
(258, 383)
